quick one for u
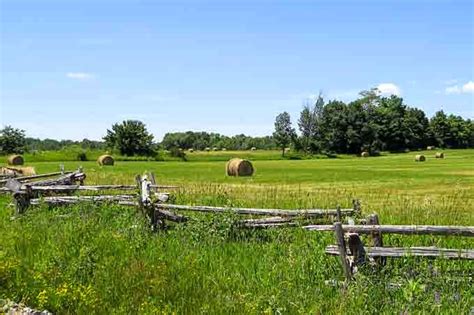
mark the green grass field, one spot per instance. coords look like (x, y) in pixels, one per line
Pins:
(103, 259)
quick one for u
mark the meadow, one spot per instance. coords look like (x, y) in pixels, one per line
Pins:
(103, 259)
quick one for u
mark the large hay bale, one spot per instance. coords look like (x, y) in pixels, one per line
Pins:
(18, 171)
(365, 154)
(105, 160)
(15, 160)
(215, 149)
(253, 149)
(420, 158)
(430, 147)
(224, 149)
(207, 149)
(439, 155)
(191, 150)
(239, 167)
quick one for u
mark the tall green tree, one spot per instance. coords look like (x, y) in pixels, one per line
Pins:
(131, 138)
(439, 127)
(284, 132)
(390, 117)
(12, 140)
(334, 124)
(309, 124)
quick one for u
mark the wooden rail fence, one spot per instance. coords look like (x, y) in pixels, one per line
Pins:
(147, 196)
(353, 253)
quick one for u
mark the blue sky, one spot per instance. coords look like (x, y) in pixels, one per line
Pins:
(69, 69)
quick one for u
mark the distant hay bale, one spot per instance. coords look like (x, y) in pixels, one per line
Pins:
(105, 160)
(430, 147)
(253, 148)
(224, 149)
(191, 150)
(215, 149)
(365, 154)
(15, 160)
(439, 155)
(207, 149)
(287, 149)
(18, 171)
(239, 167)
(420, 158)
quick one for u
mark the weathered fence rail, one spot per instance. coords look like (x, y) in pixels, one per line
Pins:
(69, 188)
(432, 252)
(31, 177)
(399, 229)
(264, 212)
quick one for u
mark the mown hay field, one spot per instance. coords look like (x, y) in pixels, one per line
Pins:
(103, 259)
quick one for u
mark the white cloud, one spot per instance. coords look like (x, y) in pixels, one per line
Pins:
(456, 89)
(79, 75)
(452, 90)
(389, 89)
(468, 87)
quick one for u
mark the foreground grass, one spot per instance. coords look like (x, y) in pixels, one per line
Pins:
(92, 259)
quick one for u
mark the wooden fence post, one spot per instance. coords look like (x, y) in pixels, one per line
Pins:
(339, 233)
(373, 219)
(338, 214)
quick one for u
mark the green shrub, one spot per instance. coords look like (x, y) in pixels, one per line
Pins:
(82, 156)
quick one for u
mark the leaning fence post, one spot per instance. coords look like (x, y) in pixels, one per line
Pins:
(373, 219)
(339, 233)
(22, 197)
(146, 203)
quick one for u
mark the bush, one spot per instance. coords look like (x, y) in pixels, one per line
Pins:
(82, 156)
(178, 153)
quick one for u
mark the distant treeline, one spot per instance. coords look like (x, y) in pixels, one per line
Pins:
(34, 144)
(371, 123)
(203, 140)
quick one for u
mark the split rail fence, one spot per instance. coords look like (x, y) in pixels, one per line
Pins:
(66, 188)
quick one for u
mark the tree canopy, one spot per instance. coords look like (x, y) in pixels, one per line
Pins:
(12, 140)
(131, 138)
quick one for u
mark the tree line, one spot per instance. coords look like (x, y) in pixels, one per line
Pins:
(371, 123)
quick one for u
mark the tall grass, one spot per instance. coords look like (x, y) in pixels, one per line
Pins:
(103, 259)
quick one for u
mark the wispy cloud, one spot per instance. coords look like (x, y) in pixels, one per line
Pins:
(79, 75)
(344, 95)
(389, 89)
(458, 89)
(451, 82)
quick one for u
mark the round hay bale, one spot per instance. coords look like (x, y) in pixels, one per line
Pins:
(191, 150)
(215, 149)
(18, 171)
(239, 167)
(207, 149)
(253, 148)
(439, 155)
(105, 160)
(15, 160)
(430, 147)
(224, 149)
(420, 158)
(365, 154)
